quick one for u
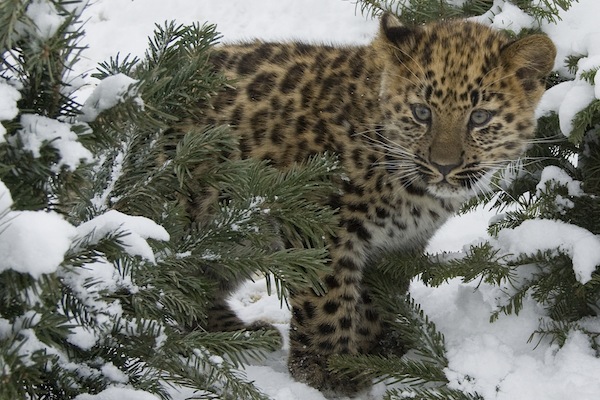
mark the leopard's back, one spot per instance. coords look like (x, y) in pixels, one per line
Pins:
(288, 101)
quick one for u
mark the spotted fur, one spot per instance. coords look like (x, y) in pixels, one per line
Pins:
(420, 119)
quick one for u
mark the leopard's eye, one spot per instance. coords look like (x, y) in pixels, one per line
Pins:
(480, 117)
(421, 112)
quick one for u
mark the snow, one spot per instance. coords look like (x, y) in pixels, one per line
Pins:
(134, 229)
(38, 130)
(118, 393)
(8, 105)
(113, 373)
(504, 15)
(576, 34)
(495, 359)
(33, 242)
(82, 337)
(537, 235)
(111, 91)
(555, 175)
(566, 99)
(45, 19)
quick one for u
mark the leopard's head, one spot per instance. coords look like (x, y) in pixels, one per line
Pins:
(458, 102)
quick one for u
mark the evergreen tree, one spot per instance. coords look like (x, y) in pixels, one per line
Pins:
(112, 306)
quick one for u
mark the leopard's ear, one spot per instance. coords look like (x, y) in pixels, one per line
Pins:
(393, 30)
(531, 57)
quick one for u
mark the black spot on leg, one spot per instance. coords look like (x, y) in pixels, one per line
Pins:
(434, 216)
(366, 298)
(415, 211)
(309, 309)
(236, 116)
(276, 136)
(362, 208)
(364, 331)
(331, 306)
(326, 329)
(331, 282)
(350, 188)
(299, 337)
(348, 264)
(345, 323)
(301, 125)
(354, 225)
(335, 201)
(382, 213)
(244, 146)
(326, 345)
(371, 315)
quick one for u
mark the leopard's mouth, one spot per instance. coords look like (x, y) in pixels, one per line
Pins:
(462, 181)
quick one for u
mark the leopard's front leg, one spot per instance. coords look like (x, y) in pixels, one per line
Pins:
(335, 322)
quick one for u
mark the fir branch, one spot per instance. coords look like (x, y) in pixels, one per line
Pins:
(391, 369)
(213, 375)
(481, 262)
(425, 393)
(412, 13)
(584, 120)
(422, 11)
(239, 347)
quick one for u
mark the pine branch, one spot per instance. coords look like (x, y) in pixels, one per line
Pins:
(442, 393)
(588, 117)
(421, 11)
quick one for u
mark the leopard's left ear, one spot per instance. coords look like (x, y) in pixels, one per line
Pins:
(531, 57)
(393, 30)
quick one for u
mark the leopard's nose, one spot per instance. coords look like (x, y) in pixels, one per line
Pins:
(445, 169)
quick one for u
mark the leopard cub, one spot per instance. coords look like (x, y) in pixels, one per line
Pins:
(420, 120)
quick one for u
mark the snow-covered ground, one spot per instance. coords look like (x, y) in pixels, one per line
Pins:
(494, 359)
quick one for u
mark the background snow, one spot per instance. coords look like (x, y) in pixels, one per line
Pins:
(494, 359)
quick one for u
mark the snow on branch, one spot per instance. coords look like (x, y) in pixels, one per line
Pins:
(136, 230)
(33, 242)
(111, 91)
(38, 131)
(533, 236)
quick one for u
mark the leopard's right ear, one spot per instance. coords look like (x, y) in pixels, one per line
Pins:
(393, 30)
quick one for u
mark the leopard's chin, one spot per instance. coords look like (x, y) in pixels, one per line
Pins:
(446, 190)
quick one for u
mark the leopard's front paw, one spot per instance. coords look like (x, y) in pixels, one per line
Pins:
(313, 369)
